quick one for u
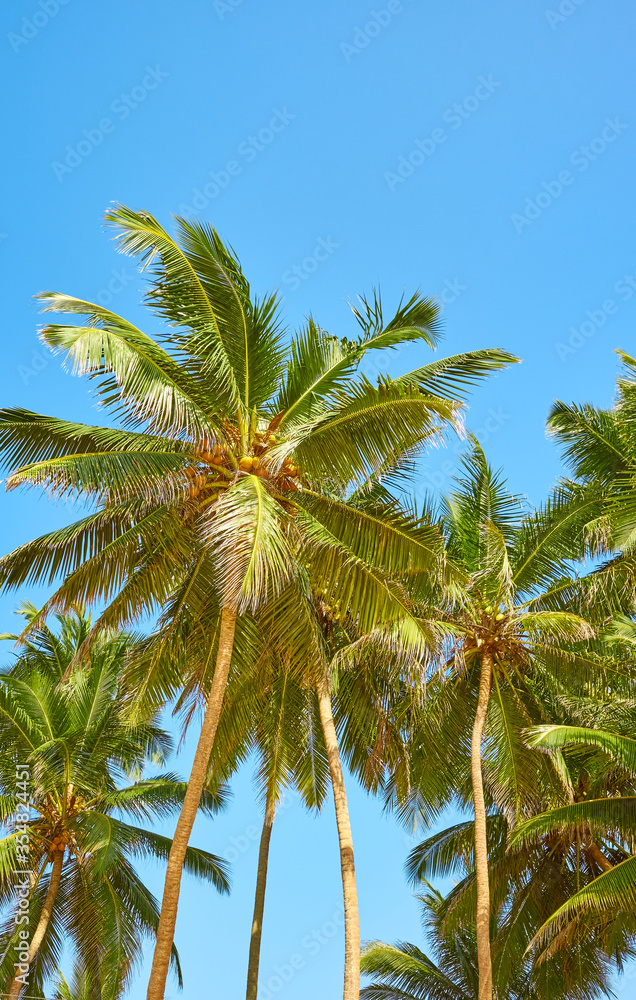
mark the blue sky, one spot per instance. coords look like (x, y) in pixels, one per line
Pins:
(482, 152)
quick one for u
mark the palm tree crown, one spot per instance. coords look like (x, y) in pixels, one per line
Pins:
(84, 759)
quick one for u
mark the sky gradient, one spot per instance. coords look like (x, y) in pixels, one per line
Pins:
(483, 153)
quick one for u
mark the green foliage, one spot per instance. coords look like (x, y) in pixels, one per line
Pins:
(85, 757)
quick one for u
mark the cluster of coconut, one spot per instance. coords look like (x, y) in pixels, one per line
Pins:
(257, 466)
(60, 843)
(333, 612)
(217, 458)
(499, 617)
(210, 455)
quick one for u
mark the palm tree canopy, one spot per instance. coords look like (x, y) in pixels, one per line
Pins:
(605, 813)
(508, 567)
(404, 972)
(232, 445)
(85, 797)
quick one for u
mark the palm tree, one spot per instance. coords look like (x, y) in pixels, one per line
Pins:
(494, 638)
(530, 879)
(295, 746)
(603, 821)
(599, 446)
(70, 771)
(213, 484)
(286, 737)
(404, 972)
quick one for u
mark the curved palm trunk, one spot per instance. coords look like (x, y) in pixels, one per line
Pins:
(43, 922)
(347, 866)
(259, 900)
(484, 960)
(189, 809)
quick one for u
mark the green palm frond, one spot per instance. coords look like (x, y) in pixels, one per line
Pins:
(612, 893)
(416, 319)
(249, 332)
(192, 290)
(133, 367)
(380, 535)
(452, 377)
(252, 550)
(621, 748)
(369, 431)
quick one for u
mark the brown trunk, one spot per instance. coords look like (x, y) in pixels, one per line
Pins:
(347, 866)
(595, 854)
(259, 901)
(43, 922)
(481, 844)
(189, 809)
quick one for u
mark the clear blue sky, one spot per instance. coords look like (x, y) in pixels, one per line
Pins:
(483, 151)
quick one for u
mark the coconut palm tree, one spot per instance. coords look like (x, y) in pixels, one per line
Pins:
(495, 637)
(217, 475)
(70, 773)
(529, 880)
(603, 822)
(404, 972)
(290, 755)
(599, 447)
(297, 738)
(285, 735)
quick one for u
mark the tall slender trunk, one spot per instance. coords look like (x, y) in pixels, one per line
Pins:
(43, 922)
(189, 809)
(259, 899)
(484, 960)
(347, 866)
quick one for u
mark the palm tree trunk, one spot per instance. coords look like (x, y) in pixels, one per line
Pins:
(347, 866)
(259, 899)
(595, 854)
(43, 922)
(484, 960)
(189, 809)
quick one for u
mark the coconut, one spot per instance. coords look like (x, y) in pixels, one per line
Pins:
(245, 465)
